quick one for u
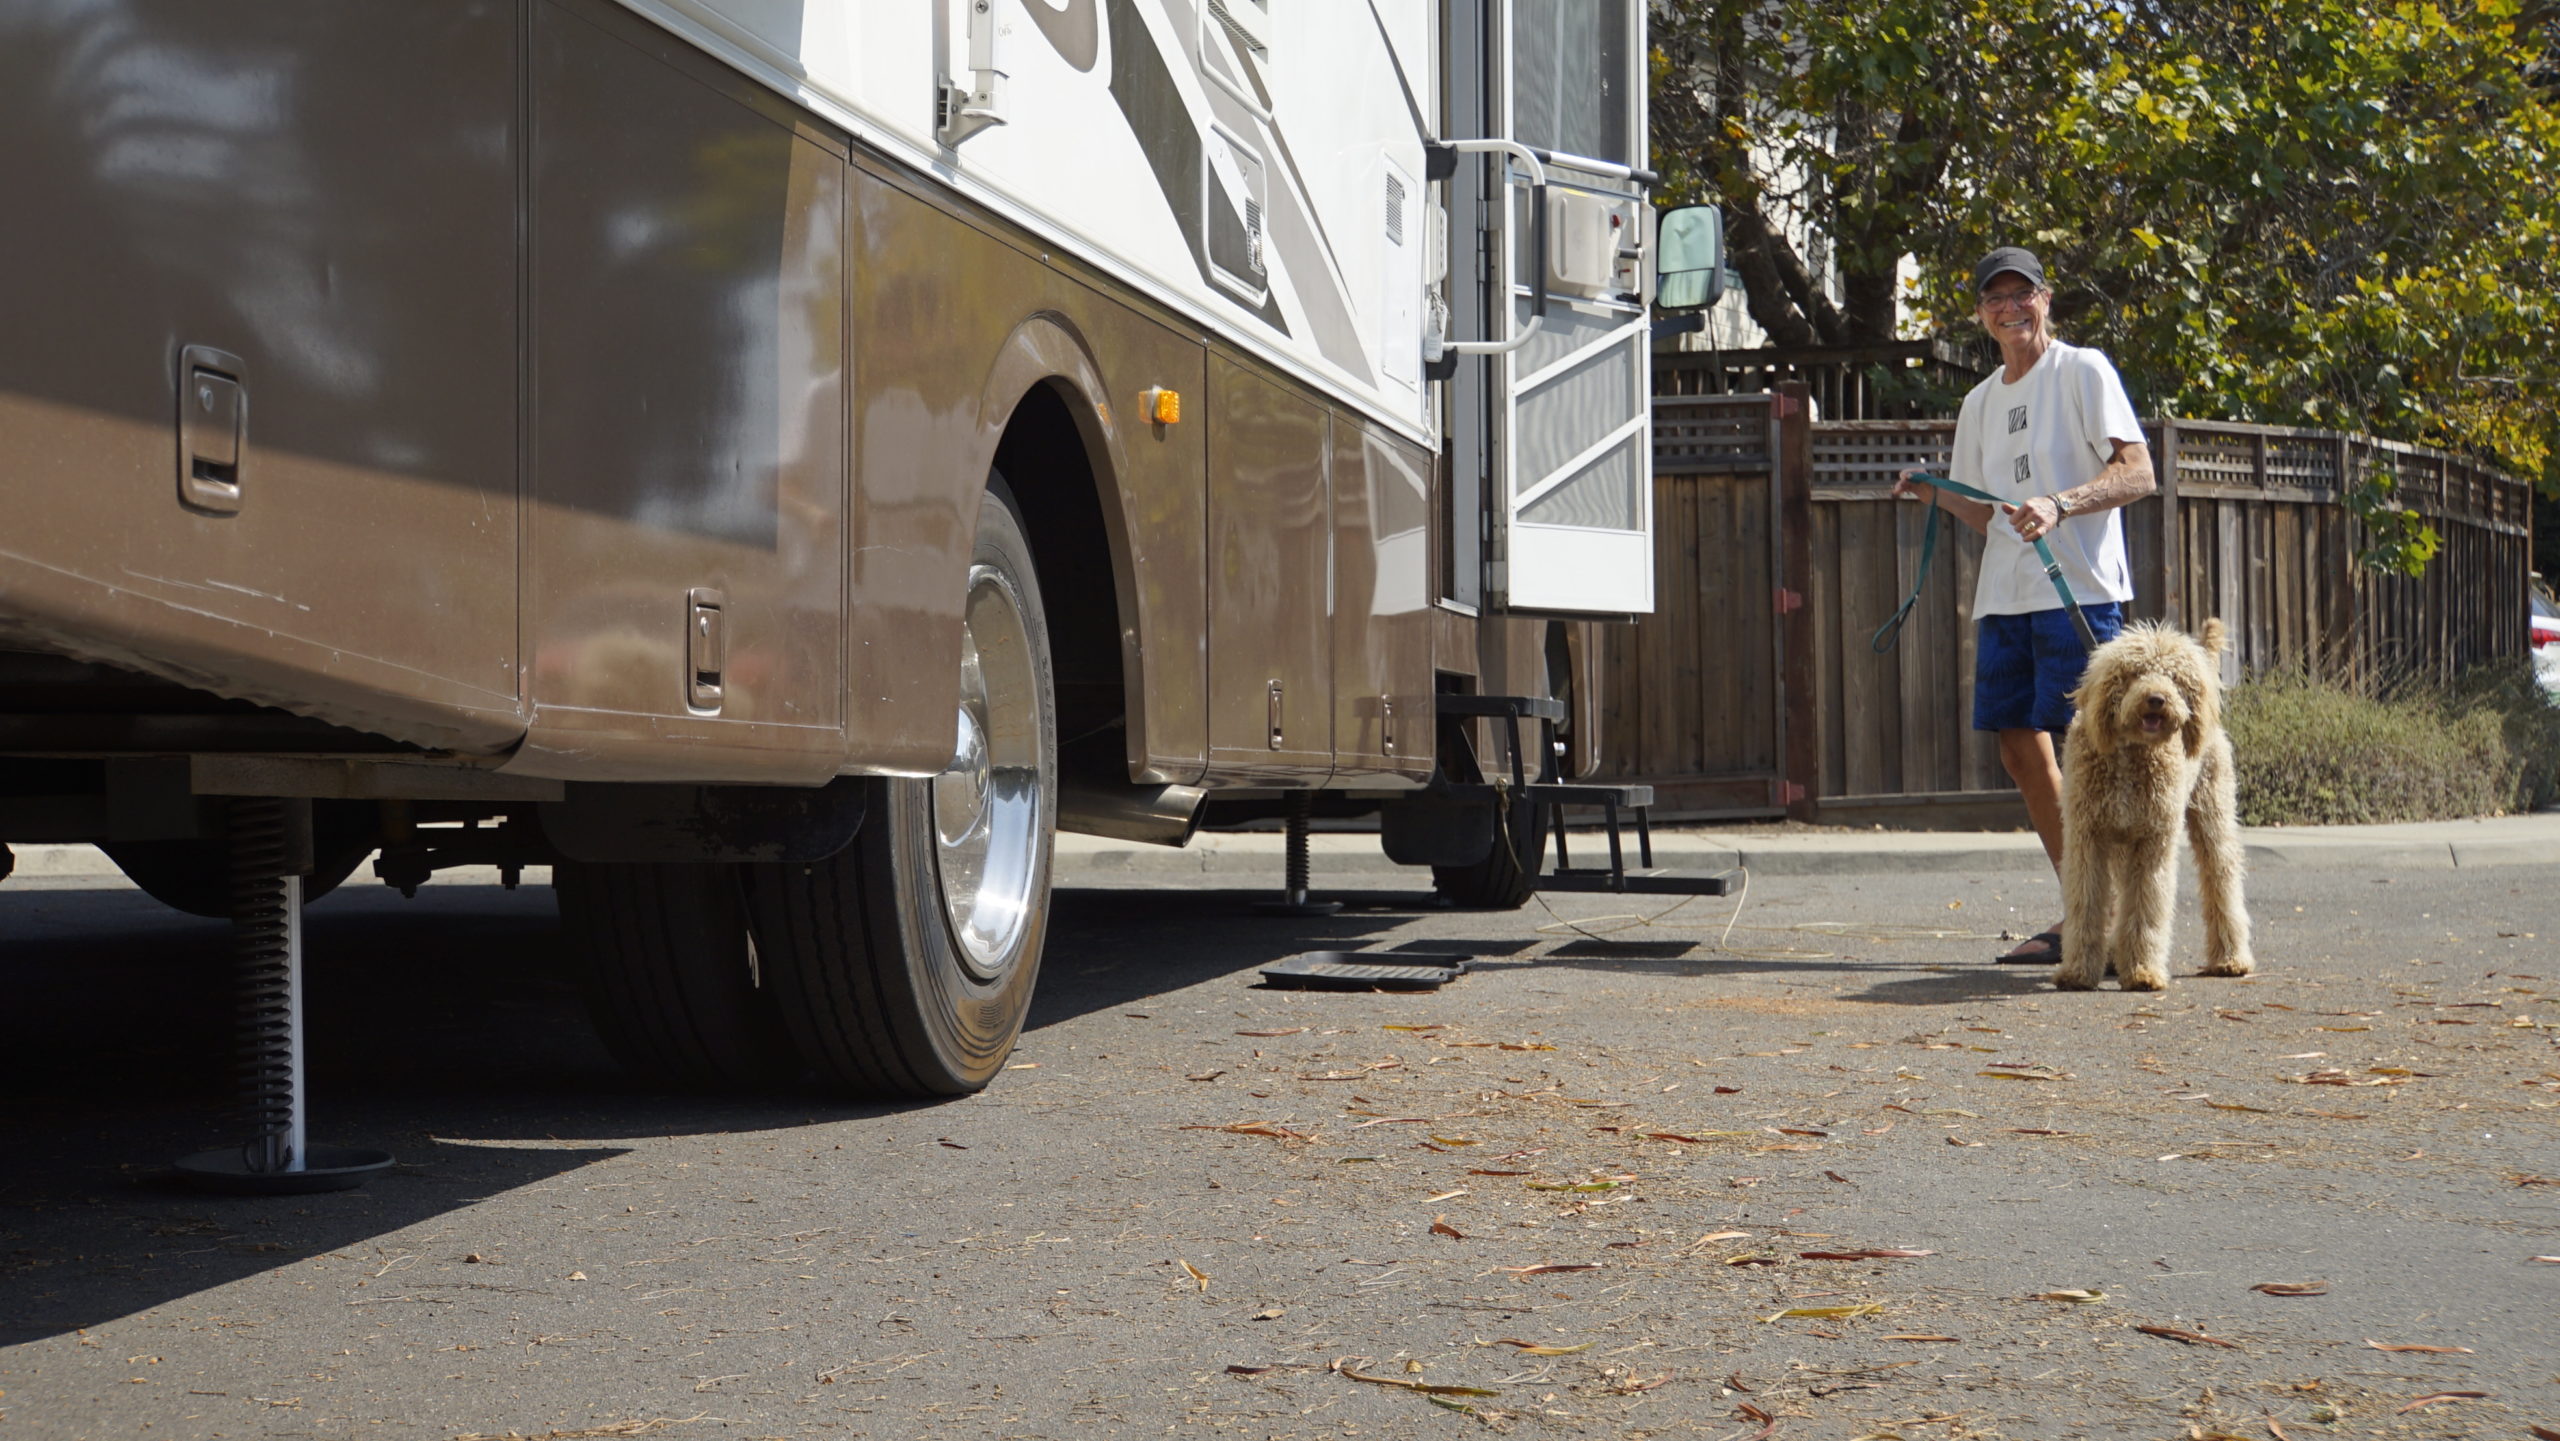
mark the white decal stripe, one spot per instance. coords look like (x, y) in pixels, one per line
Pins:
(698, 25)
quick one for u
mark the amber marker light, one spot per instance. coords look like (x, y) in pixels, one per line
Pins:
(1162, 406)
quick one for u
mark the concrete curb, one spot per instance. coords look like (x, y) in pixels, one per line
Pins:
(1253, 857)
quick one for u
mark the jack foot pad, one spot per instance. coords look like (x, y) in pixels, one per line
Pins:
(1296, 906)
(329, 1168)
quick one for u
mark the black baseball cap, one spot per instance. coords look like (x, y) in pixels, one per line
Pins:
(2004, 260)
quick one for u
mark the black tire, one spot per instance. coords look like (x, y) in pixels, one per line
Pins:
(888, 993)
(195, 876)
(1508, 875)
(666, 964)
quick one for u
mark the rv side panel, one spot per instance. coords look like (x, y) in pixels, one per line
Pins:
(685, 551)
(956, 320)
(258, 400)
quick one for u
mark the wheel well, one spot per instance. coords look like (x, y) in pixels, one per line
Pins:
(1044, 459)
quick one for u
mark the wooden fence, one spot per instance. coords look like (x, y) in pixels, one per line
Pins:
(1753, 689)
(1905, 380)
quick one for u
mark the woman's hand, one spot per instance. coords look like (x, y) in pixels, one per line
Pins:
(1909, 484)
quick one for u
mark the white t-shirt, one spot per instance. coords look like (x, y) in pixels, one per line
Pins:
(2050, 432)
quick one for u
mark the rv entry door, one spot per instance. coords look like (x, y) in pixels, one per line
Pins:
(1562, 234)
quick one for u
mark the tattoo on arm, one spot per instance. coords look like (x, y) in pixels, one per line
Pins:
(2126, 479)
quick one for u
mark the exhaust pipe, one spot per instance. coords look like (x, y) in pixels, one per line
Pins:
(1156, 815)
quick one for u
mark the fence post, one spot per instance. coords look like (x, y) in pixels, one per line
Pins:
(2173, 558)
(1800, 764)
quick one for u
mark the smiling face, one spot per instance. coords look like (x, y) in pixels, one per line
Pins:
(2014, 309)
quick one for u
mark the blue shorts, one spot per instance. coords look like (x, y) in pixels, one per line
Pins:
(2024, 666)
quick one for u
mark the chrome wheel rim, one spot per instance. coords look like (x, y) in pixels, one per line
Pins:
(987, 807)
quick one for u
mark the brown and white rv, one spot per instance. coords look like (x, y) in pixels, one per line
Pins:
(777, 462)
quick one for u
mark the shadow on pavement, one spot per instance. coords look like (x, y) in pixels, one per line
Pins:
(452, 1016)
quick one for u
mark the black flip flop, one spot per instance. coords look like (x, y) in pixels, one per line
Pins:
(2051, 955)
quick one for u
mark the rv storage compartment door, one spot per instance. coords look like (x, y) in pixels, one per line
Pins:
(1576, 471)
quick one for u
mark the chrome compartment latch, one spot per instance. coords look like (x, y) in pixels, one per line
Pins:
(213, 428)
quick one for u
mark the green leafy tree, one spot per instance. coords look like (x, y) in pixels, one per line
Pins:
(2296, 211)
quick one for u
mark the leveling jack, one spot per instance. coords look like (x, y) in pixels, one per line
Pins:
(1297, 871)
(270, 850)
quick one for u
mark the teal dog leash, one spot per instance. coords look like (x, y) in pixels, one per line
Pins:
(1891, 631)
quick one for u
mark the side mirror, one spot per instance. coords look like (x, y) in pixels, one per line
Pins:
(1688, 258)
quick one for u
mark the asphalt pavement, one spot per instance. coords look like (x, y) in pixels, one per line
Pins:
(1795, 1163)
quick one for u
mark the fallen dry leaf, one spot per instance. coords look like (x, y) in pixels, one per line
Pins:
(1919, 1337)
(2543, 1433)
(1414, 1028)
(2076, 1298)
(1198, 1275)
(1591, 1186)
(1700, 1139)
(648, 1427)
(1714, 1236)
(1961, 1141)
(2293, 1288)
(1445, 1196)
(1440, 1227)
(1885, 1254)
(1342, 1366)
(1824, 1313)
(2548, 1260)
(1501, 1173)
(2192, 1338)
(1536, 1348)
(2523, 1180)
(2430, 1400)
(1251, 1370)
(2026, 1073)
(1255, 1128)
(1548, 1270)
(1283, 1031)
(2421, 1350)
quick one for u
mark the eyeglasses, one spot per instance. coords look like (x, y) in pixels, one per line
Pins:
(1995, 299)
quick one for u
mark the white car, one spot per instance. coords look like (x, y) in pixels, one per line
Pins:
(2545, 638)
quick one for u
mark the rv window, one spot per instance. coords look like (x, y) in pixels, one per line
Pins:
(1571, 77)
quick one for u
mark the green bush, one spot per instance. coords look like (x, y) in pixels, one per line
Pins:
(2318, 752)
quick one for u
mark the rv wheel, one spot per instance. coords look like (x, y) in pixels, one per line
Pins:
(1508, 875)
(906, 961)
(670, 976)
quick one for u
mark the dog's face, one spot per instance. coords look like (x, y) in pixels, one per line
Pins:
(2153, 684)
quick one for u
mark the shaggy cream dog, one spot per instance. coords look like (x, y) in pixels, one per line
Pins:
(2145, 752)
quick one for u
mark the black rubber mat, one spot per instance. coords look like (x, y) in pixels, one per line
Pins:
(1363, 971)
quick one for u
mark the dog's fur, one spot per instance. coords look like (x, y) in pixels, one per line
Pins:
(2145, 750)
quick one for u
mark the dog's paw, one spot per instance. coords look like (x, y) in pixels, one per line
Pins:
(2239, 965)
(2143, 978)
(2068, 979)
